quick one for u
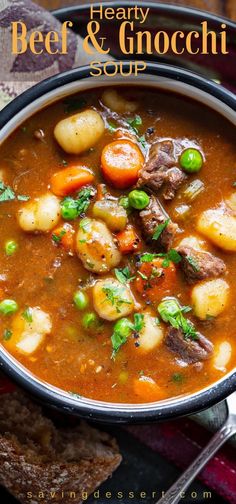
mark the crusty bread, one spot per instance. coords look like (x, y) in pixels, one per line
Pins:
(42, 463)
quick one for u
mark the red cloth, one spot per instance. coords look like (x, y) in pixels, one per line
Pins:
(180, 441)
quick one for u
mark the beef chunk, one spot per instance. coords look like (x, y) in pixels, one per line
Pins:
(160, 169)
(189, 350)
(198, 265)
(174, 179)
(151, 217)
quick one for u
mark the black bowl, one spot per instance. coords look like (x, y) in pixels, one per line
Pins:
(158, 76)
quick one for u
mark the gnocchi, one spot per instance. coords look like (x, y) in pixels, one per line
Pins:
(210, 298)
(79, 132)
(151, 335)
(112, 300)
(220, 227)
(223, 356)
(231, 202)
(42, 214)
(95, 246)
(29, 334)
(193, 241)
(114, 101)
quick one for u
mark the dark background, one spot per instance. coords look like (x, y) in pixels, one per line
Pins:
(223, 7)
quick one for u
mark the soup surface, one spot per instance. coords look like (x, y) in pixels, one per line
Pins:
(117, 245)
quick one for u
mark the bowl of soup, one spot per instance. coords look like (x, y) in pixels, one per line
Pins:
(118, 243)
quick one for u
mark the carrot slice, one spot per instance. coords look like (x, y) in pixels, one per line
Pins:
(70, 179)
(128, 241)
(154, 282)
(147, 389)
(121, 162)
(64, 235)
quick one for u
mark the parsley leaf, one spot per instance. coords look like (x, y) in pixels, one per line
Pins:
(177, 378)
(171, 256)
(7, 334)
(23, 197)
(123, 329)
(114, 295)
(57, 238)
(159, 229)
(112, 126)
(27, 315)
(174, 256)
(135, 123)
(7, 194)
(193, 262)
(117, 340)
(171, 312)
(138, 322)
(80, 204)
(124, 275)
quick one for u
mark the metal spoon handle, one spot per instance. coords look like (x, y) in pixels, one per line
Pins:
(173, 495)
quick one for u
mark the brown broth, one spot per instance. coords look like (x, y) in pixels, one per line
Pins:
(42, 274)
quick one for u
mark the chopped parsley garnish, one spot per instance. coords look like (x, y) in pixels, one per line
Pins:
(177, 378)
(123, 328)
(142, 275)
(124, 275)
(27, 315)
(7, 194)
(112, 126)
(57, 238)
(7, 334)
(85, 224)
(234, 184)
(23, 197)
(73, 104)
(159, 229)
(193, 262)
(135, 123)
(124, 202)
(171, 256)
(172, 313)
(73, 208)
(114, 295)
(138, 322)
(64, 162)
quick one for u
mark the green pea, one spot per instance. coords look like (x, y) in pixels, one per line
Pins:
(8, 306)
(191, 160)
(123, 327)
(10, 247)
(69, 210)
(81, 300)
(138, 199)
(90, 320)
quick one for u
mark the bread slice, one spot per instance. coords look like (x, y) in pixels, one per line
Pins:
(42, 463)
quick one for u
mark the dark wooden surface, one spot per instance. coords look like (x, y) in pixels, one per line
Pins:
(223, 7)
